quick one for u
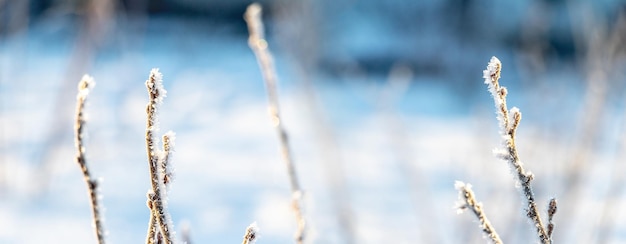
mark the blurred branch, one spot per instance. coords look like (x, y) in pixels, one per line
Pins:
(469, 202)
(610, 207)
(397, 85)
(601, 45)
(185, 233)
(258, 44)
(297, 32)
(84, 88)
(97, 15)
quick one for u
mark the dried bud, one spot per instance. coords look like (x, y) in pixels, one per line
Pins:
(552, 208)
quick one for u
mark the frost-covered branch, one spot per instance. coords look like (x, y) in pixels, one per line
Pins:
(252, 233)
(166, 165)
(509, 121)
(84, 87)
(157, 197)
(153, 228)
(258, 44)
(165, 176)
(466, 195)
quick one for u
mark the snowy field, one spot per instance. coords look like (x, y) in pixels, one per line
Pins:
(377, 153)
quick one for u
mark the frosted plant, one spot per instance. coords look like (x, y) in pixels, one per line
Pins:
(551, 212)
(158, 162)
(508, 121)
(258, 44)
(252, 233)
(166, 175)
(84, 87)
(468, 201)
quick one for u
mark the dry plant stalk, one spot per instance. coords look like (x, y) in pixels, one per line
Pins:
(509, 121)
(84, 87)
(551, 212)
(251, 234)
(157, 162)
(258, 44)
(166, 165)
(469, 202)
(165, 176)
(153, 228)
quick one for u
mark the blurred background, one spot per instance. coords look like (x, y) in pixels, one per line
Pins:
(384, 103)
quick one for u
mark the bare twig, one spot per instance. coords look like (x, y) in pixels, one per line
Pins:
(258, 44)
(610, 209)
(469, 202)
(551, 212)
(84, 87)
(297, 29)
(95, 18)
(156, 93)
(251, 234)
(166, 165)
(508, 127)
(165, 176)
(151, 237)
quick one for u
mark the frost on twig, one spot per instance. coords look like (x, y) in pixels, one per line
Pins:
(157, 163)
(153, 228)
(509, 121)
(251, 235)
(166, 173)
(551, 212)
(84, 87)
(468, 201)
(258, 44)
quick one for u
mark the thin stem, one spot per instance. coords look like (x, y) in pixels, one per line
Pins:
(151, 237)
(156, 94)
(469, 202)
(84, 87)
(251, 234)
(508, 127)
(168, 149)
(165, 176)
(552, 207)
(258, 44)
